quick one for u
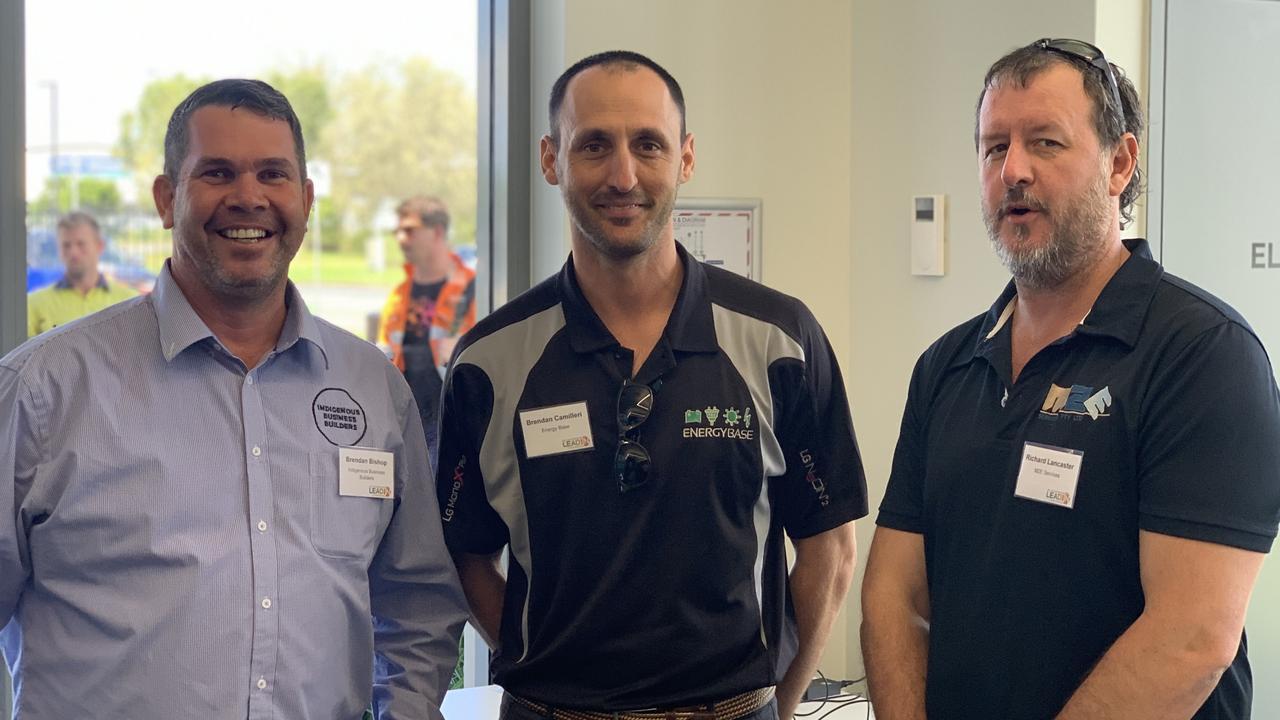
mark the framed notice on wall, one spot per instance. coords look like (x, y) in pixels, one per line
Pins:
(721, 232)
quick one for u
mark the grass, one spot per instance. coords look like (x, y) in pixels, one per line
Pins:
(343, 269)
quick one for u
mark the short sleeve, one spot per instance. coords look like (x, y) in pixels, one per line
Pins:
(470, 523)
(35, 315)
(903, 505)
(1209, 443)
(824, 486)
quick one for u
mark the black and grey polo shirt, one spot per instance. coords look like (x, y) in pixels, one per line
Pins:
(1159, 413)
(674, 592)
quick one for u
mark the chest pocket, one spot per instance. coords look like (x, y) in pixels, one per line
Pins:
(343, 527)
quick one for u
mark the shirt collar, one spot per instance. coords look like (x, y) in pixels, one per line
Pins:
(65, 284)
(180, 326)
(1118, 312)
(691, 327)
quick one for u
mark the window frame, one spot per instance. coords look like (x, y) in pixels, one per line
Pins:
(504, 173)
(13, 210)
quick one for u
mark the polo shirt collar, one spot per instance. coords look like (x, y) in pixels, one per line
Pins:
(1121, 308)
(180, 326)
(65, 284)
(691, 327)
(1119, 311)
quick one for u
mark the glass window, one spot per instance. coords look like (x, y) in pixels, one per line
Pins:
(386, 94)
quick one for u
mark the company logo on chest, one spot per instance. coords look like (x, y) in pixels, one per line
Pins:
(732, 422)
(1077, 400)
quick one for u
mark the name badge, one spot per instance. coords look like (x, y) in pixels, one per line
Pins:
(363, 472)
(1049, 474)
(555, 430)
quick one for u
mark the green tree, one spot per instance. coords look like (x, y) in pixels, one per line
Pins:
(142, 130)
(401, 131)
(96, 195)
(387, 132)
(307, 88)
(141, 142)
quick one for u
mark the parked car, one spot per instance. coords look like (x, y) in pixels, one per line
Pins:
(468, 255)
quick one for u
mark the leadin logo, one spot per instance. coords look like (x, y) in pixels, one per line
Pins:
(1077, 400)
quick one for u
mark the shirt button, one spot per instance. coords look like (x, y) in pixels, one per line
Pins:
(256, 451)
(266, 603)
(262, 683)
(249, 379)
(262, 526)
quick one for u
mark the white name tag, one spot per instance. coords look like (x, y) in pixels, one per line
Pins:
(555, 430)
(1049, 474)
(366, 473)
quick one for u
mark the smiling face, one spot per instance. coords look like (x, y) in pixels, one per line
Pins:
(238, 208)
(618, 160)
(1049, 190)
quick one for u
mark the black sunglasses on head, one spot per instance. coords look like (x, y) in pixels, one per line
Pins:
(1091, 54)
(631, 462)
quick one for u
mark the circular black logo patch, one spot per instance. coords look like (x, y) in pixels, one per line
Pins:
(339, 418)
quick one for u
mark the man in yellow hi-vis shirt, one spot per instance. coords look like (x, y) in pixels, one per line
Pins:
(83, 289)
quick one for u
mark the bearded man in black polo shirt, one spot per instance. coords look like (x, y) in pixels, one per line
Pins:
(642, 431)
(1087, 476)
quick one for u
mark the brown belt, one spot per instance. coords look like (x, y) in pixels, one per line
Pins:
(729, 709)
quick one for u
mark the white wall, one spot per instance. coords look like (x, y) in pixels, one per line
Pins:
(1122, 30)
(767, 85)
(835, 112)
(917, 69)
(768, 95)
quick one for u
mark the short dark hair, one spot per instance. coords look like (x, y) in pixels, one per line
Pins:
(1021, 66)
(78, 218)
(253, 95)
(430, 210)
(625, 59)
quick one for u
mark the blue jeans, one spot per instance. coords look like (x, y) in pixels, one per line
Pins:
(514, 711)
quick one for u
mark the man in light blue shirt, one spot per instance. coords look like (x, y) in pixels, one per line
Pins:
(213, 504)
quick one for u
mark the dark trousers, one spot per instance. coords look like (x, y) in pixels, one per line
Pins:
(514, 711)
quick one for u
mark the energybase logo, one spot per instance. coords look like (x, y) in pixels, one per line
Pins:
(712, 421)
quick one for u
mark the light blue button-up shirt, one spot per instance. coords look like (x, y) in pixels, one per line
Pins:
(172, 539)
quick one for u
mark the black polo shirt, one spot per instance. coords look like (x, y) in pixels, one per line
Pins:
(1171, 399)
(675, 592)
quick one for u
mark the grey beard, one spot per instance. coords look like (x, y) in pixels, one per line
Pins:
(1076, 239)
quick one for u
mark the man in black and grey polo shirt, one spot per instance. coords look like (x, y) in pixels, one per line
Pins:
(1088, 474)
(642, 431)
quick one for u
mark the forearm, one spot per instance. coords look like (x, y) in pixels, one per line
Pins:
(895, 650)
(1150, 672)
(485, 587)
(895, 625)
(819, 584)
(1170, 659)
